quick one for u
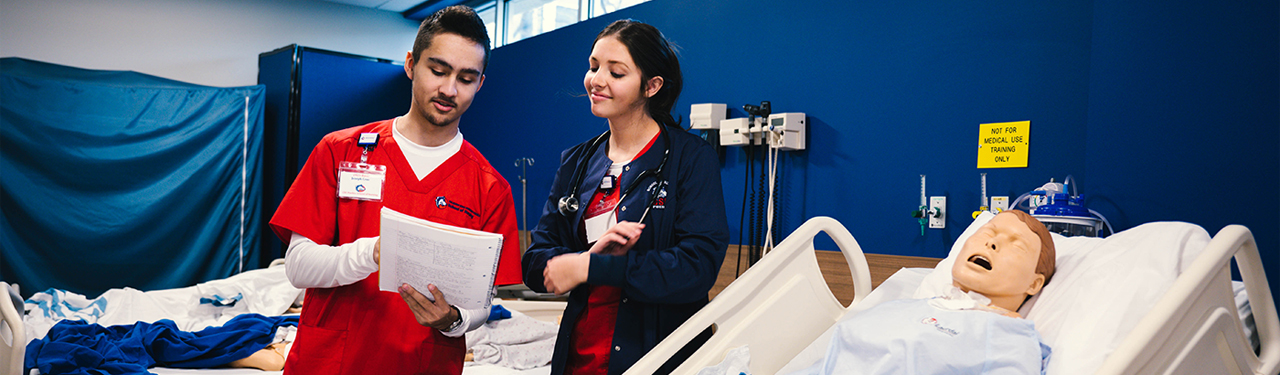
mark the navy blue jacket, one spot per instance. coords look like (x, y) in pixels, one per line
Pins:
(666, 276)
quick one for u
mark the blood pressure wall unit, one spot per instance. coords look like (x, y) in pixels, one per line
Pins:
(781, 131)
(788, 131)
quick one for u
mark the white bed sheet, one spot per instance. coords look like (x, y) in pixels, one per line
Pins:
(520, 342)
(262, 291)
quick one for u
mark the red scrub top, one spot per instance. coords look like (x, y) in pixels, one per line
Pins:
(357, 329)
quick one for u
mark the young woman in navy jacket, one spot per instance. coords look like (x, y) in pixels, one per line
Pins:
(635, 226)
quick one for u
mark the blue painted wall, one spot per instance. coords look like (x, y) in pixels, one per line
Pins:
(1184, 116)
(1160, 110)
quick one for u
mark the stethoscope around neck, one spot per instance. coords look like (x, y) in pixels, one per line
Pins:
(568, 204)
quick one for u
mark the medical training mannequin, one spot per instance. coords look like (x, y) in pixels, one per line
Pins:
(1008, 260)
(646, 246)
(975, 328)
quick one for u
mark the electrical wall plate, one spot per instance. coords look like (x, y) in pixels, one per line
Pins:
(999, 204)
(939, 205)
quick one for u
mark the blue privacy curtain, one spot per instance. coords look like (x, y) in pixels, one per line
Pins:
(114, 178)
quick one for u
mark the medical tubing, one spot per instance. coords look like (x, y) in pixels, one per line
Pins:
(1104, 221)
(760, 201)
(738, 264)
(777, 197)
(754, 225)
(751, 206)
(772, 161)
(1021, 198)
(751, 203)
(753, 217)
(771, 204)
(742, 218)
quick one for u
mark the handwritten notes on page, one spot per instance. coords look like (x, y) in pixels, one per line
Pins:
(459, 261)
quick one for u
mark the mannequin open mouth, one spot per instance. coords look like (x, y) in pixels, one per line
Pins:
(980, 261)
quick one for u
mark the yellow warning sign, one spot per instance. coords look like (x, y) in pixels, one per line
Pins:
(1004, 144)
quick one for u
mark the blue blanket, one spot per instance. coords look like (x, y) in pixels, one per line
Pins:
(75, 347)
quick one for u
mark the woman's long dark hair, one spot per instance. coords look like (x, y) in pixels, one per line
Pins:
(654, 57)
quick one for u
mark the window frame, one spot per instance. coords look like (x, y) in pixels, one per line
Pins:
(501, 18)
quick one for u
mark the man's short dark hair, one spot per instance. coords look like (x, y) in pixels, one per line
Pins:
(458, 19)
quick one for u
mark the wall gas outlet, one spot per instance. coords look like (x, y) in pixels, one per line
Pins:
(937, 212)
(999, 204)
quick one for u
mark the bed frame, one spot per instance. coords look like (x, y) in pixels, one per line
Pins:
(1205, 337)
(13, 337)
(1193, 329)
(784, 289)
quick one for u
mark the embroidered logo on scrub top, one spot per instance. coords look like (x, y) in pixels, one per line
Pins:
(661, 201)
(934, 322)
(442, 202)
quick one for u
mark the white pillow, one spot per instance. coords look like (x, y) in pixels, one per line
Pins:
(1100, 289)
(938, 282)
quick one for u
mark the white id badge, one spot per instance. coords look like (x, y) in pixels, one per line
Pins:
(596, 226)
(361, 181)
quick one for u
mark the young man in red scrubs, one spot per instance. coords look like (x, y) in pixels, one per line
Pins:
(417, 164)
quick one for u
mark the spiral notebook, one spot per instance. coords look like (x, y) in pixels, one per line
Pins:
(460, 261)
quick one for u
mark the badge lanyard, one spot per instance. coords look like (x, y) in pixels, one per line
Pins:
(597, 225)
(362, 181)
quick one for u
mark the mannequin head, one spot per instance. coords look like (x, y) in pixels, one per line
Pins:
(1008, 260)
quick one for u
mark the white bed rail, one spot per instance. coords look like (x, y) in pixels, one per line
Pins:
(800, 299)
(13, 342)
(1200, 300)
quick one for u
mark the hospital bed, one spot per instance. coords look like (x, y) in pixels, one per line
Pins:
(782, 311)
(14, 334)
